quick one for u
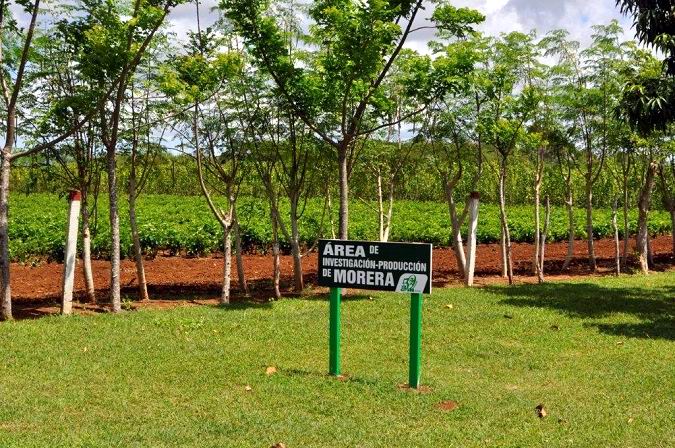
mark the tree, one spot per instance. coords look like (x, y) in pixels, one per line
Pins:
(78, 157)
(208, 85)
(143, 148)
(597, 128)
(115, 37)
(353, 47)
(287, 152)
(512, 100)
(391, 156)
(654, 23)
(667, 184)
(13, 73)
(451, 132)
(647, 106)
(565, 78)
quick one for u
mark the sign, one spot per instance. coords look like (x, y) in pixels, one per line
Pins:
(395, 267)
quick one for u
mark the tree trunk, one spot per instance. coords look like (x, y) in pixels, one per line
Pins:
(458, 247)
(474, 202)
(617, 242)
(537, 231)
(227, 264)
(241, 274)
(537, 265)
(138, 252)
(115, 293)
(592, 264)
(456, 230)
(276, 270)
(626, 227)
(70, 253)
(344, 194)
(644, 203)
(86, 251)
(571, 220)
(507, 268)
(542, 241)
(5, 286)
(390, 213)
(502, 250)
(298, 280)
(380, 205)
(330, 213)
(672, 230)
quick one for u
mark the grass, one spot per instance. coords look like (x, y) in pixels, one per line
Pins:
(599, 354)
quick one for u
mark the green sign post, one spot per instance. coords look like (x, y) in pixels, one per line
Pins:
(397, 267)
(334, 332)
(414, 367)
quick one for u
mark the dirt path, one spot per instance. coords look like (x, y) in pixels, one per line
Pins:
(173, 276)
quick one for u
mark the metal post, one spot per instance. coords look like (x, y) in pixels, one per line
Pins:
(414, 371)
(334, 330)
(70, 252)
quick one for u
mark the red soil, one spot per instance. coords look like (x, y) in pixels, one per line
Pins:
(35, 289)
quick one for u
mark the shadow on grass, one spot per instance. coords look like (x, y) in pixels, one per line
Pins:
(654, 307)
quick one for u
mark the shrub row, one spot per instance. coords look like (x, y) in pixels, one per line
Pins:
(184, 225)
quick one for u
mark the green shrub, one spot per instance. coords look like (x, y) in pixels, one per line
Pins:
(181, 225)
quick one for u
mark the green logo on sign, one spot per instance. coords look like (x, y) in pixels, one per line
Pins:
(409, 284)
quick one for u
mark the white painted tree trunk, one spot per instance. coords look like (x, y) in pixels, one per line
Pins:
(474, 202)
(86, 252)
(70, 257)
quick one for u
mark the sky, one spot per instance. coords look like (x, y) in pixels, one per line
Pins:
(577, 16)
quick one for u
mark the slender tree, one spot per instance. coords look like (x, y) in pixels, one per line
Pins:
(14, 72)
(333, 89)
(115, 40)
(514, 98)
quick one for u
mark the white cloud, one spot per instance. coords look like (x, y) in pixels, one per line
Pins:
(577, 16)
(503, 16)
(183, 18)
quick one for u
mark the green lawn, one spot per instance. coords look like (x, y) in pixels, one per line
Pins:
(599, 354)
